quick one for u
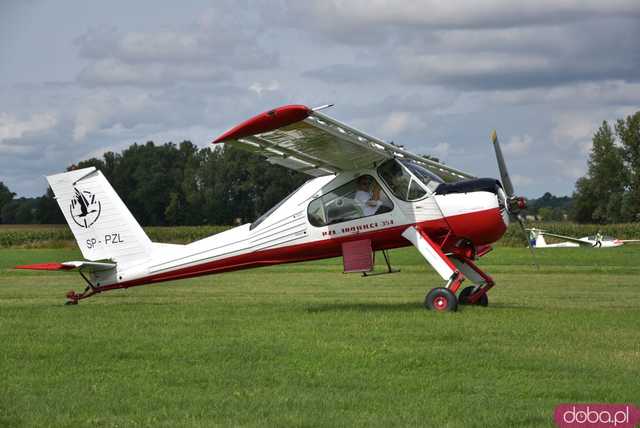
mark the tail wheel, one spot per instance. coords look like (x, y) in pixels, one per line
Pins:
(464, 295)
(441, 300)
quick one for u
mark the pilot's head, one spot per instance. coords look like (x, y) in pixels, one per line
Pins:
(363, 183)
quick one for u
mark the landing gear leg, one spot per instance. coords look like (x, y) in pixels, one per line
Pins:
(441, 298)
(476, 294)
(73, 298)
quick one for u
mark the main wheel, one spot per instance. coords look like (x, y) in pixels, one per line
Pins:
(463, 297)
(441, 299)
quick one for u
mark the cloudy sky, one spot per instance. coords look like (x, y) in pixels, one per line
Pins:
(79, 78)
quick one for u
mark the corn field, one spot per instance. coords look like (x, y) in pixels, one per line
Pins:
(59, 236)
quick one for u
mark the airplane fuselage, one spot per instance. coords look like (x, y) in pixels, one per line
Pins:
(463, 214)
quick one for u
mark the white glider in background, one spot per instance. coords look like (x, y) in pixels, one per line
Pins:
(536, 239)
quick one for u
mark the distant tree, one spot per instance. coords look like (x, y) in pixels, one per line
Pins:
(99, 164)
(550, 207)
(598, 196)
(558, 214)
(19, 211)
(628, 131)
(8, 212)
(6, 195)
(25, 212)
(47, 209)
(545, 213)
(173, 214)
(585, 201)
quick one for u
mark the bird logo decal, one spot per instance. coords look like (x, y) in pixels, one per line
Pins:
(85, 208)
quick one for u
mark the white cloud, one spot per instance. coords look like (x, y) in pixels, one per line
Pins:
(259, 87)
(111, 71)
(11, 127)
(521, 180)
(441, 150)
(570, 169)
(574, 130)
(451, 65)
(464, 13)
(198, 53)
(518, 145)
(396, 123)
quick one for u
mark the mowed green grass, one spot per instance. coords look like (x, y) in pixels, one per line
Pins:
(305, 345)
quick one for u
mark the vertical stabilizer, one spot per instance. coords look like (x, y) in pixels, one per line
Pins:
(540, 242)
(101, 223)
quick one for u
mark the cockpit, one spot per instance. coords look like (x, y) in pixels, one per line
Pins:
(408, 180)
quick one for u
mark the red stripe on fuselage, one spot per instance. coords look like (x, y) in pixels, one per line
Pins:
(481, 226)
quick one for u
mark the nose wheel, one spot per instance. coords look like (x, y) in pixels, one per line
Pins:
(441, 300)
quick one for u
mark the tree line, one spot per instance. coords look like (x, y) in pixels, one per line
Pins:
(181, 184)
(169, 184)
(610, 190)
(174, 184)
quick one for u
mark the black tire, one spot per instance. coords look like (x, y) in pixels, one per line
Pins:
(441, 300)
(463, 297)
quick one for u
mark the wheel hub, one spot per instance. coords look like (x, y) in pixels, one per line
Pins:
(440, 303)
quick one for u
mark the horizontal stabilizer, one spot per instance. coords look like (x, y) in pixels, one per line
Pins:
(86, 266)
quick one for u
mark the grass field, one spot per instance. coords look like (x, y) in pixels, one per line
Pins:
(306, 345)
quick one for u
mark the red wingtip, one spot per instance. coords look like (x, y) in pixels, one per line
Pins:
(45, 266)
(267, 121)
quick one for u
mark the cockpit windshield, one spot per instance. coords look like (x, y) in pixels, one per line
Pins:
(428, 178)
(404, 178)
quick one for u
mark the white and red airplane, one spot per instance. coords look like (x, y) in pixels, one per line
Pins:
(365, 195)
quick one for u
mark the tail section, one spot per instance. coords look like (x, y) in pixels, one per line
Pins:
(101, 223)
(536, 238)
(540, 242)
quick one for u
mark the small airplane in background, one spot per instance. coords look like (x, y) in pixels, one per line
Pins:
(364, 195)
(536, 240)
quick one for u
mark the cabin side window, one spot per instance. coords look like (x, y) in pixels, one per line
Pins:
(362, 197)
(401, 183)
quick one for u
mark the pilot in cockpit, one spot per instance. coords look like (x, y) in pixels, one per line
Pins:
(368, 196)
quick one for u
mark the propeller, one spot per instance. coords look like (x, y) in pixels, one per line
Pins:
(515, 204)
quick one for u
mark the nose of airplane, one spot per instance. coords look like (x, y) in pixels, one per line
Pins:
(475, 209)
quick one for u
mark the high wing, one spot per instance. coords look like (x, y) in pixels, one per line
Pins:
(582, 242)
(308, 141)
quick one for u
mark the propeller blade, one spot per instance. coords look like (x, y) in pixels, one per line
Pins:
(502, 166)
(526, 236)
